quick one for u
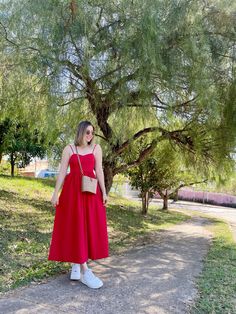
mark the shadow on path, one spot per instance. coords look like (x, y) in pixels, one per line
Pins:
(156, 278)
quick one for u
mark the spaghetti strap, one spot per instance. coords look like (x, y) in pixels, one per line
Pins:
(71, 148)
(94, 148)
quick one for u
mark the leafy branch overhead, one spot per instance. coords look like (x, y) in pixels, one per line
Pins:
(160, 70)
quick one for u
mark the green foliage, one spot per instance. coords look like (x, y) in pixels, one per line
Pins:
(114, 63)
(21, 144)
(163, 170)
(217, 283)
(5, 168)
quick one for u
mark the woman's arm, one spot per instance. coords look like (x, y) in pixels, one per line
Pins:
(62, 173)
(99, 170)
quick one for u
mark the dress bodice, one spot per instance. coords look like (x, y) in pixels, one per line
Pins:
(87, 162)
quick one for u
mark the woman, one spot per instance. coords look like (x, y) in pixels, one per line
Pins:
(80, 228)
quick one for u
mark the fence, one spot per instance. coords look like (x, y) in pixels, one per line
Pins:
(207, 197)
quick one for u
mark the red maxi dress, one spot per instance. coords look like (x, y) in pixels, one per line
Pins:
(80, 227)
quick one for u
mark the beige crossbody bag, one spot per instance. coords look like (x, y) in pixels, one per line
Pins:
(88, 184)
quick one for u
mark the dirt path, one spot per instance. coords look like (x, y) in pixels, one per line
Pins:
(224, 213)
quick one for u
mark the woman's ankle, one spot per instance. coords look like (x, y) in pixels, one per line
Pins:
(83, 267)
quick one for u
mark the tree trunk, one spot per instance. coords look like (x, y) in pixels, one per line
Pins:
(12, 164)
(108, 175)
(145, 202)
(176, 196)
(165, 200)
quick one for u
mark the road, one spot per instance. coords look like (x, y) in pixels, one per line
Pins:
(225, 213)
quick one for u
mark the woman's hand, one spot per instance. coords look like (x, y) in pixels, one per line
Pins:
(104, 196)
(54, 200)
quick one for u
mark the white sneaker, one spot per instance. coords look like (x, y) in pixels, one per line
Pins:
(75, 272)
(89, 279)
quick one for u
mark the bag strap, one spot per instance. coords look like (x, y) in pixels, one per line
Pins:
(79, 162)
(94, 147)
(71, 148)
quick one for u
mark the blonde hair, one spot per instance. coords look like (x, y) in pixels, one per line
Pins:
(81, 129)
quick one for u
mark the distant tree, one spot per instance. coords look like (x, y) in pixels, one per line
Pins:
(163, 172)
(22, 145)
(26, 103)
(142, 178)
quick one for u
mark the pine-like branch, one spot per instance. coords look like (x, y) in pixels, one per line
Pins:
(70, 101)
(178, 136)
(107, 74)
(120, 82)
(75, 69)
(118, 150)
(141, 157)
(6, 36)
(186, 184)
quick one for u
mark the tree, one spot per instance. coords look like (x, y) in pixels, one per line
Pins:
(4, 128)
(22, 145)
(160, 58)
(142, 178)
(26, 100)
(165, 172)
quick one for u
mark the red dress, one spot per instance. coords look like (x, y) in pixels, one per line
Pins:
(80, 227)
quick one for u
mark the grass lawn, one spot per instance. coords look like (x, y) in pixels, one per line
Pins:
(217, 283)
(26, 221)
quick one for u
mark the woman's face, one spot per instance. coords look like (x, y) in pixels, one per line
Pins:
(88, 135)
